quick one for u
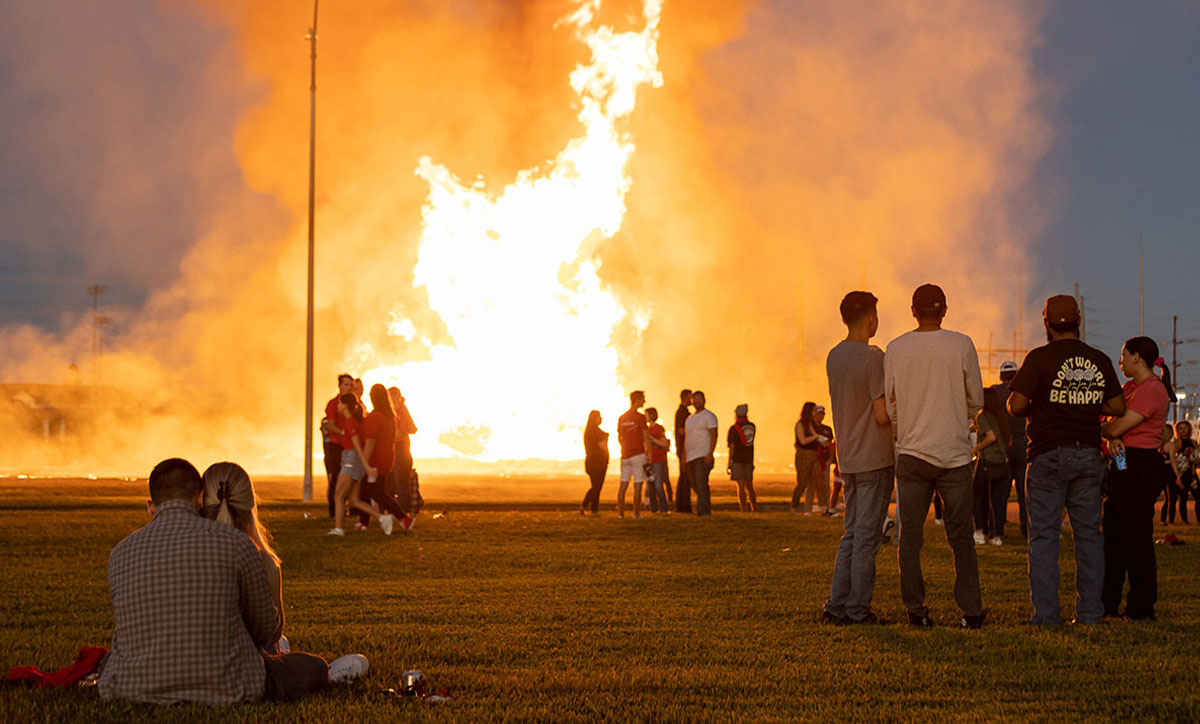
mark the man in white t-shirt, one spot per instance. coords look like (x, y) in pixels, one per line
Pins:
(699, 442)
(933, 387)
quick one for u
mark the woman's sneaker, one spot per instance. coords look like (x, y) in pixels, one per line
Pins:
(348, 668)
(336, 531)
(359, 527)
(387, 522)
(407, 522)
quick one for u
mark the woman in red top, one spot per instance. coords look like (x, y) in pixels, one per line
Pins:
(351, 414)
(1129, 508)
(378, 440)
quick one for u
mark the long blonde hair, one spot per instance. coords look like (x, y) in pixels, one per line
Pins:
(229, 498)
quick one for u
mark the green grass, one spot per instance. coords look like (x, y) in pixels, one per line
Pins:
(538, 614)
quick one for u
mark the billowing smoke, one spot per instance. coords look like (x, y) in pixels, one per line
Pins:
(795, 151)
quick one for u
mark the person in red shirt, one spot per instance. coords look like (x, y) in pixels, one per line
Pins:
(350, 415)
(1129, 509)
(632, 433)
(378, 439)
(333, 441)
(658, 447)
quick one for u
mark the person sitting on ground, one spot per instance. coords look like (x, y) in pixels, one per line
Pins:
(229, 498)
(192, 607)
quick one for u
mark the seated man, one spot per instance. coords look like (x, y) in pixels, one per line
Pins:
(192, 607)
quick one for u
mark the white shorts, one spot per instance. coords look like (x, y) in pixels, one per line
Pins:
(635, 468)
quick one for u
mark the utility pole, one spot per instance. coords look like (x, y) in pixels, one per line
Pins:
(1141, 299)
(312, 180)
(96, 290)
(1174, 364)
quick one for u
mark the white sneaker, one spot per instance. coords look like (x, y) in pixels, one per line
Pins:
(997, 541)
(407, 522)
(979, 539)
(283, 645)
(348, 668)
(387, 522)
(336, 531)
(939, 521)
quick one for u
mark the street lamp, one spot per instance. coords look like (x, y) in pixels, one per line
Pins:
(312, 177)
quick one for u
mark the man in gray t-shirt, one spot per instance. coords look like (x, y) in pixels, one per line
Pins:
(865, 456)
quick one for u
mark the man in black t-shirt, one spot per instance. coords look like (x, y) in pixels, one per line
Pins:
(1064, 387)
(683, 488)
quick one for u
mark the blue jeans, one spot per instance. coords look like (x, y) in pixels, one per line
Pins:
(698, 470)
(1065, 477)
(658, 491)
(867, 497)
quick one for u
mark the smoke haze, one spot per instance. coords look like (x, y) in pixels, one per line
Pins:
(794, 152)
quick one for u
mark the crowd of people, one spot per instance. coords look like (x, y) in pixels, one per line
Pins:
(916, 426)
(368, 458)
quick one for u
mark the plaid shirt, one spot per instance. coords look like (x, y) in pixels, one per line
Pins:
(191, 604)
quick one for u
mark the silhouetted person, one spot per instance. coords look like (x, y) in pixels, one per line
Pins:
(333, 440)
(700, 440)
(683, 489)
(595, 461)
(933, 384)
(659, 445)
(1017, 443)
(632, 434)
(741, 457)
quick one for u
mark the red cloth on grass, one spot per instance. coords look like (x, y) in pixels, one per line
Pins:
(88, 660)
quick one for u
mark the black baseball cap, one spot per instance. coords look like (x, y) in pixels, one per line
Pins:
(929, 297)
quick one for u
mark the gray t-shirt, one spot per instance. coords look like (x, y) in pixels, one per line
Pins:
(855, 371)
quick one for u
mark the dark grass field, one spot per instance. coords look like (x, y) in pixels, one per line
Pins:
(528, 612)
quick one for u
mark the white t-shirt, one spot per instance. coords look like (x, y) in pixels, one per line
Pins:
(697, 440)
(933, 386)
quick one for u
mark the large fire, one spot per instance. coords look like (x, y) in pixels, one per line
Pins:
(514, 278)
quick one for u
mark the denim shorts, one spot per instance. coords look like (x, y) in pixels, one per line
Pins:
(352, 466)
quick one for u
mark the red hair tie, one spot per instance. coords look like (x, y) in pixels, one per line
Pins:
(1160, 362)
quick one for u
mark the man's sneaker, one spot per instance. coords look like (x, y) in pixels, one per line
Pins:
(829, 618)
(979, 539)
(971, 621)
(922, 621)
(407, 522)
(336, 531)
(386, 521)
(359, 527)
(348, 668)
(870, 619)
(997, 541)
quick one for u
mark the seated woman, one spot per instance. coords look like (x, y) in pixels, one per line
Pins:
(229, 498)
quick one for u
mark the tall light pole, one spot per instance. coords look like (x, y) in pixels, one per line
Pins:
(312, 180)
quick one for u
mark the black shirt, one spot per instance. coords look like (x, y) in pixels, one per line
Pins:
(681, 416)
(741, 452)
(1016, 425)
(1067, 382)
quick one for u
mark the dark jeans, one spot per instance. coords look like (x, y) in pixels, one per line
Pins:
(867, 497)
(333, 465)
(982, 503)
(592, 499)
(1016, 467)
(1067, 477)
(698, 470)
(658, 491)
(683, 489)
(375, 491)
(1174, 499)
(916, 481)
(1129, 535)
(291, 676)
